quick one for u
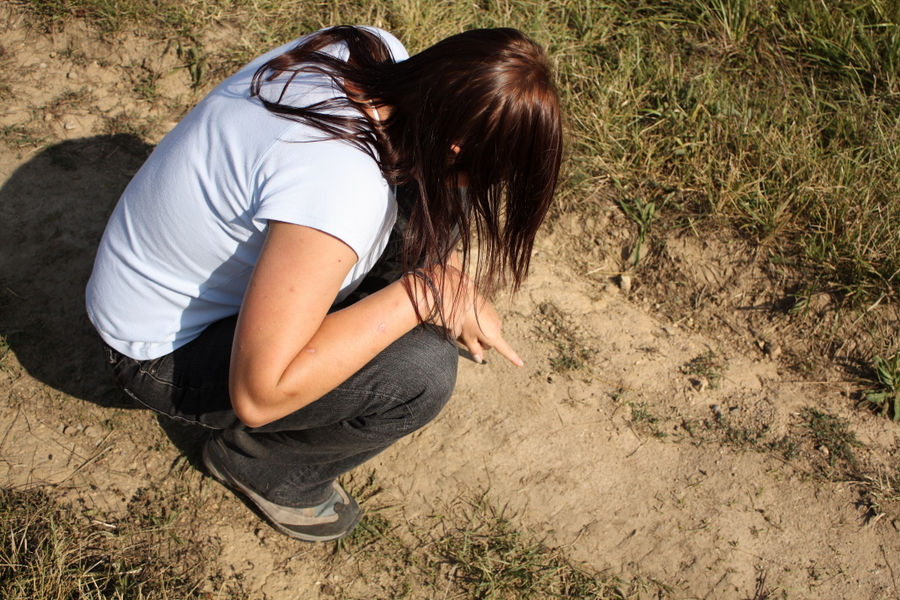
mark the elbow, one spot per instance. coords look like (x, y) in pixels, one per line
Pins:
(251, 414)
(258, 403)
(250, 409)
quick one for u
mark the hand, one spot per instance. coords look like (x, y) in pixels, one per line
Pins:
(481, 332)
(472, 320)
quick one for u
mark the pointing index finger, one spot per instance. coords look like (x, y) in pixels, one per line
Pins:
(506, 351)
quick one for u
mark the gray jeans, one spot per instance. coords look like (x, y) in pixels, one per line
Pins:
(292, 461)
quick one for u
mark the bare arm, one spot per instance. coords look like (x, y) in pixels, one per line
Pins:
(288, 351)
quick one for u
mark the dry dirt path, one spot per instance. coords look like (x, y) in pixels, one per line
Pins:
(614, 461)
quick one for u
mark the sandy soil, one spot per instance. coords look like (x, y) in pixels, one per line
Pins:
(633, 462)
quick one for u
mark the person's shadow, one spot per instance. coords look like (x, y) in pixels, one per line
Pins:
(53, 210)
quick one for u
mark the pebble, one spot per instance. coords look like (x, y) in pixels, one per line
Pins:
(71, 75)
(48, 117)
(52, 55)
(70, 126)
(625, 283)
(42, 66)
(92, 431)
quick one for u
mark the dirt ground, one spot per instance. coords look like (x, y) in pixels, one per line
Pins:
(642, 435)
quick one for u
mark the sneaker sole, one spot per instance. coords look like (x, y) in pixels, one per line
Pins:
(212, 462)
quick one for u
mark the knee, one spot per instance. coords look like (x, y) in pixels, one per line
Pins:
(423, 377)
(430, 363)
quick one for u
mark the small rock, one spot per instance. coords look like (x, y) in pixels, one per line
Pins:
(48, 117)
(824, 450)
(625, 283)
(70, 126)
(772, 350)
(92, 431)
(70, 430)
(610, 289)
(734, 409)
(717, 410)
(72, 75)
(52, 55)
(42, 66)
(896, 524)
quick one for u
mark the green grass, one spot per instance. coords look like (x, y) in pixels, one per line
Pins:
(822, 443)
(831, 436)
(645, 420)
(558, 328)
(776, 120)
(706, 366)
(885, 399)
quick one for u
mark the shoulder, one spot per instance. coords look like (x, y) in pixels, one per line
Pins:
(396, 47)
(398, 50)
(305, 152)
(328, 178)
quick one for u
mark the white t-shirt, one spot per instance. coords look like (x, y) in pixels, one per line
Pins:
(179, 248)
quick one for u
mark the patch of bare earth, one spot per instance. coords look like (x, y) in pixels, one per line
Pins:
(660, 430)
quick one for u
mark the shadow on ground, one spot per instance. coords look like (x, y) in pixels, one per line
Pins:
(53, 210)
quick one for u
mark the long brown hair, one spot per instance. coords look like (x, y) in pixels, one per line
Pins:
(480, 103)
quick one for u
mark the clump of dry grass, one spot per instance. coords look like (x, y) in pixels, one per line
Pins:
(50, 552)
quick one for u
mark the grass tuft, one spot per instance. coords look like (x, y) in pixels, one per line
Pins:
(571, 352)
(49, 552)
(491, 559)
(831, 436)
(707, 366)
(885, 399)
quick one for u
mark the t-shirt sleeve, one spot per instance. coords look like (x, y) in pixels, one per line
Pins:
(327, 185)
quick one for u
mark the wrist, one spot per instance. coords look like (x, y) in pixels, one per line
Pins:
(425, 294)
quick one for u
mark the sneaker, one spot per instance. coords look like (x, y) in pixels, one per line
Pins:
(331, 520)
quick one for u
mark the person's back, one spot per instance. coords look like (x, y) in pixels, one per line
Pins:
(183, 240)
